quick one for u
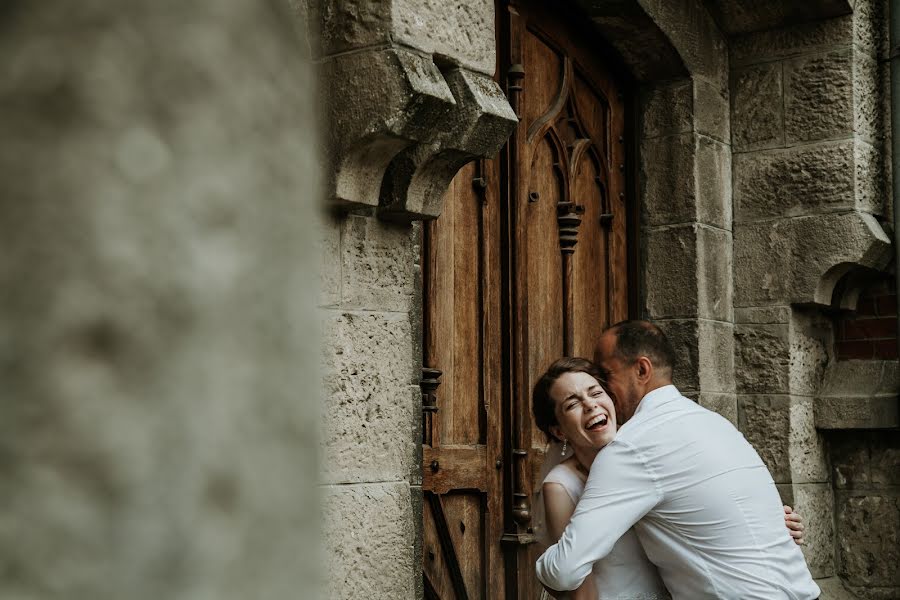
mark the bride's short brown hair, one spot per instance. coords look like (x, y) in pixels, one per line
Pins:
(542, 405)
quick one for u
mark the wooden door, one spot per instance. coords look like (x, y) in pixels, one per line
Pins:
(568, 224)
(528, 262)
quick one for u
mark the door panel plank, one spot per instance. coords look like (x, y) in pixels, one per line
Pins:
(465, 518)
(457, 468)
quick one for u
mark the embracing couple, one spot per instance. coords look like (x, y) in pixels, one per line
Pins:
(668, 497)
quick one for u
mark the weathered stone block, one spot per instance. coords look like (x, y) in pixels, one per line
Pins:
(692, 30)
(868, 99)
(742, 16)
(714, 274)
(811, 341)
(859, 378)
(342, 25)
(724, 404)
(369, 364)
(762, 359)
(668, 180)
(330, 262)
(786, 492)
(714, 205)
(857, 412)
(683, 335)
(765, 315)
(873, 593)
(715, 356)
(757, 107)
(794, 181)
(832, 588)
(711, 111)
(766, 423)
(870, 28)
(808, 456)
(817, 36)
(666, 109)
(369, 535)
(461, 32)
(815, 501)
(671, 265)
(795, 261)
(869, 544)
(869, 178)
(818, 96)
(379, 264)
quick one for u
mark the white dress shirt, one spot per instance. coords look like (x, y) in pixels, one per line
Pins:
(701, 501)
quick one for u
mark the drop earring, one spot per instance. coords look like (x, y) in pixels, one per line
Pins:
(564, 448)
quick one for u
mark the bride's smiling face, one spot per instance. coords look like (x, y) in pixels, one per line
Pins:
(584, 412)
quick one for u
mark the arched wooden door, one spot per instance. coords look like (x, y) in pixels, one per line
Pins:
(528, 262)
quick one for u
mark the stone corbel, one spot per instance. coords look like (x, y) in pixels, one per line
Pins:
(478, 125)
(867, 245)
(378, 102)
(795, 261)
(391, 107)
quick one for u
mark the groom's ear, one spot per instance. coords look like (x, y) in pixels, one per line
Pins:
(644, 369)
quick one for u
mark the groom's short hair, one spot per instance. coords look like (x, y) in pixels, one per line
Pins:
(642, 338)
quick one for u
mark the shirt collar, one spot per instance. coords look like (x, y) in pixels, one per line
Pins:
(657, 397)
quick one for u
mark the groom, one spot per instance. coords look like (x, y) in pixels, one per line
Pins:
(700, 499)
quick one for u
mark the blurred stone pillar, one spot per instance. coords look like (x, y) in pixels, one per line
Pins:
(157, 214)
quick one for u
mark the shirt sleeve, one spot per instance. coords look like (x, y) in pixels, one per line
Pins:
(620, 489)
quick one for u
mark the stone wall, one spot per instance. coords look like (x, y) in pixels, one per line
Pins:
(371, 482)
(808, 134)
(160, 188)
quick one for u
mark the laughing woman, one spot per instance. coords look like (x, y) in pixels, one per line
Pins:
(570, 406)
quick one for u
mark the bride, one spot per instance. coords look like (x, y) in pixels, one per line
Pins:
(571, 407)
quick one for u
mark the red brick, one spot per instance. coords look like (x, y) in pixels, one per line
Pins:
(886, 306)
(856, 349)
(870, 329)
(885, 349)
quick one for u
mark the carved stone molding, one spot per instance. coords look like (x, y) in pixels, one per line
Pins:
(408, 100)
(378, 103)
(796, 261)
(476, 126)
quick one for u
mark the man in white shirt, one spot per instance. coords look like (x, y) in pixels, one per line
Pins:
(700, 499)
